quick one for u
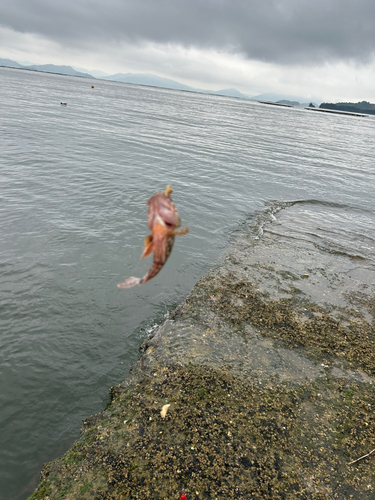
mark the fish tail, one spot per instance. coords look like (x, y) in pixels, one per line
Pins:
(133, 281)
(153, 271)
(162, 249)
(130, 282)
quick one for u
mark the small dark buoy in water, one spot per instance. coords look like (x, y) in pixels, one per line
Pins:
(63, 103)
(92, 86)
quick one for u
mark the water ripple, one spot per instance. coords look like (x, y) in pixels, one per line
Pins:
(74, 183)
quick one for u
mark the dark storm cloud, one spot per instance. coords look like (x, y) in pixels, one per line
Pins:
(269, 30)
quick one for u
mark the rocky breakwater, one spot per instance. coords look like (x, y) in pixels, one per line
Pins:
(269, 370)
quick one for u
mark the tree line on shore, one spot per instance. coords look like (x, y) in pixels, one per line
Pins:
(358, 107)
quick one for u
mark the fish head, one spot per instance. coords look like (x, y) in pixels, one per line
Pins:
(161, 207)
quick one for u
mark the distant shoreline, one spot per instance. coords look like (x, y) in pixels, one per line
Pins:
(49, 72)
(339, 112)
(324, 110)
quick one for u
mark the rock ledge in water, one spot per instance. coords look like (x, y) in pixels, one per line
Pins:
(269, 371)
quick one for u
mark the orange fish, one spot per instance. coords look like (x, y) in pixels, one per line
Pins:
(163, 220)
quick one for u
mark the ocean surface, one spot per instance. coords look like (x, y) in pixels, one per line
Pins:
(74, 181)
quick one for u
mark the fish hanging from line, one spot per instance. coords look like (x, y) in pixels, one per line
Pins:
(163, 220)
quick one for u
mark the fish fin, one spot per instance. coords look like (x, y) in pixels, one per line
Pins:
(148, 239)
(130, 282)
(149, 246)
(168, 190)
(181, 231)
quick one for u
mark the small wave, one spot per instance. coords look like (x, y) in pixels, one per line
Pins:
(335, 228)
(335, 251)
(324, 203)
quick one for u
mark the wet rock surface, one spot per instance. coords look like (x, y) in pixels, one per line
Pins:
(268, 367)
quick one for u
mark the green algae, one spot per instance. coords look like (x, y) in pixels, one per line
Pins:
(224, 438)
(295, 320)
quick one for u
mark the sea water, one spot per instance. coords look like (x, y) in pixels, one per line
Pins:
(74, 181)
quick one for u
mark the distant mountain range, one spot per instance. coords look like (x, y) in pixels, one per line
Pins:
(48, 68)
(155, 81)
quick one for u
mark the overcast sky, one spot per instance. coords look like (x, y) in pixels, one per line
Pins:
(309, 48)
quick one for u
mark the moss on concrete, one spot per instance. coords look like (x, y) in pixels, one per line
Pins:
(222, 438)
(328, 332)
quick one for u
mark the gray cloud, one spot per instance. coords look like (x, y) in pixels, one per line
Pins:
(292, 31)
